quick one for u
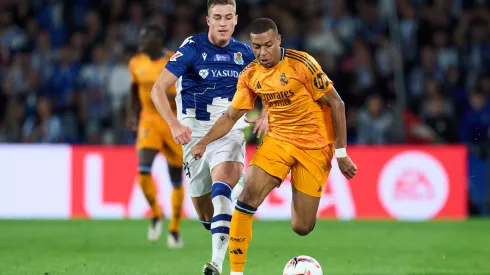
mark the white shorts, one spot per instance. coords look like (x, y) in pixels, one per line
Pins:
(198, 172)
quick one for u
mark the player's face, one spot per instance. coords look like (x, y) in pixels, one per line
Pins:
(266, 47)
(222, 20)
(149, 41)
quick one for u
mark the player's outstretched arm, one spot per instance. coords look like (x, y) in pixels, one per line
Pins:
(336, 104)
(159, 95)
(332, 99)
(222, 127)
(181, 134)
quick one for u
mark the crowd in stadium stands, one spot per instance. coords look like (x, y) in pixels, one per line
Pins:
(64, 76)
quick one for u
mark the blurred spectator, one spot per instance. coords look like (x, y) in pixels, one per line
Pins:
(93, 84)
(439, 119)
(63, 79)
(12, 37)
(375, 122)
(475, 124)
(50, 17)
(42, 126)
(131, 28)
(43, 57)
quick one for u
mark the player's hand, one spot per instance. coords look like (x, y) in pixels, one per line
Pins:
(198, 150)
(132, 123)
(181, 134)
(347, 167)
(261, 125)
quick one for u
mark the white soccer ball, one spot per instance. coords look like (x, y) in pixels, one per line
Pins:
(303, 265)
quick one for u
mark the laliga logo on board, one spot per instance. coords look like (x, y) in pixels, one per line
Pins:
(413, 186)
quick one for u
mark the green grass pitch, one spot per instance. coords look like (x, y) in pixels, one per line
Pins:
(96, 247)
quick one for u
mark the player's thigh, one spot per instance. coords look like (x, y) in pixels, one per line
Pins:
(226, 157)
(304, 210)
(269, 166)
(204, 207)
(310, 172)
(258, 184)
(308, 178)
(196, 172)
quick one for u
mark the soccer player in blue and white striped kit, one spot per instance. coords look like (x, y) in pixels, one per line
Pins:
(205, 69)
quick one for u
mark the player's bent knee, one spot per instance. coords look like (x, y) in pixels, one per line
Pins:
(176, 183)
(302, 229)
(175, 176)
(229, 172)
(144, 169)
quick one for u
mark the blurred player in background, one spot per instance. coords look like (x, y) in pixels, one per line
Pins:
(154, 134)
(206, 67)
(307, 125)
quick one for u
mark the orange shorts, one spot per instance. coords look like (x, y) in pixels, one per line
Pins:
(154, 133)
(309, 168)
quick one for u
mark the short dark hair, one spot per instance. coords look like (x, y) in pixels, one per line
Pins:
(262, 25)
(212, 3)
(156, 29)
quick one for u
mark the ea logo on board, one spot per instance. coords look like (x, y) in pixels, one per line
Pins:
(413, 186)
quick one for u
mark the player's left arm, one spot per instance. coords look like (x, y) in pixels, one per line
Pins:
(336, 104)
(321, 89)
(332, 99)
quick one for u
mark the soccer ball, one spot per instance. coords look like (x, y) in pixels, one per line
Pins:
(302, 265)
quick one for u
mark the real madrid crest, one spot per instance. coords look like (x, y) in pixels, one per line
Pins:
(284, 79)
(238, 57)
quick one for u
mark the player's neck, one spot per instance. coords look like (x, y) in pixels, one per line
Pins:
(212, 41)
(155, 54)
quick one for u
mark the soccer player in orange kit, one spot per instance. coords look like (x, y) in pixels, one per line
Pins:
(154, 134)
(306, 128)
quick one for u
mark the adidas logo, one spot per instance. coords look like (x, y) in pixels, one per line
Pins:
(237, 251)
(222, 238)
(258, 86)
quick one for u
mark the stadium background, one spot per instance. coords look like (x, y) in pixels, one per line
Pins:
(412, 73)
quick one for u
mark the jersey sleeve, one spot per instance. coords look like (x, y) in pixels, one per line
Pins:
(244, 98)
(183, 58)
(132, 70)
(315, 80)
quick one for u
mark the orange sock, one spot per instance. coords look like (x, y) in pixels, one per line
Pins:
(147, 184)
(240, 235)
(177, 202)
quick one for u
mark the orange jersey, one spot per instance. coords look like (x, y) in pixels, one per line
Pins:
(144, 73)
(290, 91)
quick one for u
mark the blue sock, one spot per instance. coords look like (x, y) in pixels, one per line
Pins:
(220, 225)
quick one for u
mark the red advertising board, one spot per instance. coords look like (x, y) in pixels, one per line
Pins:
(406, 183)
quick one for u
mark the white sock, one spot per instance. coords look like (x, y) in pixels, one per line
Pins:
(220, 225)
(236, 273)
(237, 190)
